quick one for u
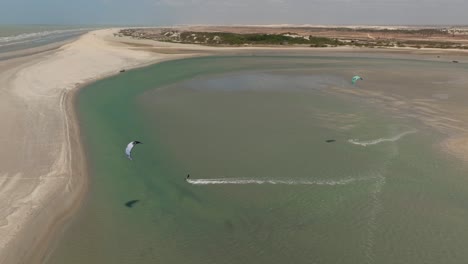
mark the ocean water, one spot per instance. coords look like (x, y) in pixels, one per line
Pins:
(265, 186)
(18, 37)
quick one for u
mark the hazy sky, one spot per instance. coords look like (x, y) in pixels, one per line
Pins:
(166, 12)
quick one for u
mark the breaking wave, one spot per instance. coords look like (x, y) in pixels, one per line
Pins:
(36, 36)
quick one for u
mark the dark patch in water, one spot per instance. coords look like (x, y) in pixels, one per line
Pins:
(330, 140)
(228, 225)
(130, 203)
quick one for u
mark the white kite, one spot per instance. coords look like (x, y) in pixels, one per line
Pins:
(128, 150)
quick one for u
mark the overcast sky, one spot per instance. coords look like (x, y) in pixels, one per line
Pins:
(168, 12)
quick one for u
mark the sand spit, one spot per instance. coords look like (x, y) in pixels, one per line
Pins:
(41, 162)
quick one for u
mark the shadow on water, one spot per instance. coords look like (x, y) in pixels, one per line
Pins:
(229, 225)
(131, 203)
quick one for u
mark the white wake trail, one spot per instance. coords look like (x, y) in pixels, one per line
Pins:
(287, 182)
(380, 140)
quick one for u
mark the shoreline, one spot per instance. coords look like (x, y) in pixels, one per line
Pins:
(64, 94)
(78, 173)
(62, 199)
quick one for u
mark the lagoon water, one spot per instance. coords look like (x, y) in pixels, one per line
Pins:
(265, 186)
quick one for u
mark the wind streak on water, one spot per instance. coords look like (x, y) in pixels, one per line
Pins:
(376, 207)
(380, 140)
(287, 182)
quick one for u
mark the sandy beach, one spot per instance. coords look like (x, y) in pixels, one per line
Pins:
(42, 174)
(43, 170)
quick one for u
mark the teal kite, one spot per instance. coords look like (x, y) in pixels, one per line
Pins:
(355, 79)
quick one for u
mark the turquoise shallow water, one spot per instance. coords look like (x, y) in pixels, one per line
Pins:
(255, 129)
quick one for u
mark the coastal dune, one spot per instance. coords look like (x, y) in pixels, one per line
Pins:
(41, 162)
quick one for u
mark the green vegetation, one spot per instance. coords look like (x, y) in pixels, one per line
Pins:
(288, 38)
(223, 38)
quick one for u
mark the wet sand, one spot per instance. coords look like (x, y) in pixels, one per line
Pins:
(43, 170)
